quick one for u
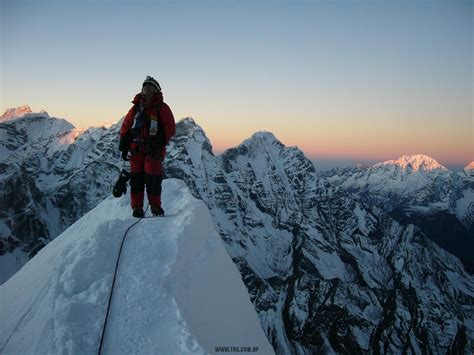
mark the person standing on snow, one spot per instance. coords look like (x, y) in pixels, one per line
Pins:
(145, 131)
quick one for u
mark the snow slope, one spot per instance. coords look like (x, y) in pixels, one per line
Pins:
(326, 273)
(177, 290)
(417, 184)
(51, 174)
(469, 169)
(417, 162)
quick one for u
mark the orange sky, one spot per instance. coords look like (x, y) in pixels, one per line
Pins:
(354, 80)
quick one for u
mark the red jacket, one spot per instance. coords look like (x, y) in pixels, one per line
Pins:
(165, 121)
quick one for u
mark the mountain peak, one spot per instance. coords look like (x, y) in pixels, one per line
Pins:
(417, 162)
(189, 120)
(188, 130)
(188, 127)
(264, 135)
(469, 170)
(250, 146)
(15, 112)
(263, 147)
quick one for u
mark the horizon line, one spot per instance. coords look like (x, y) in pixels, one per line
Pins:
(344, 161)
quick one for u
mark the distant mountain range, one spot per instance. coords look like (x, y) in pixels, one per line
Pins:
(418, 190)
(350, 260)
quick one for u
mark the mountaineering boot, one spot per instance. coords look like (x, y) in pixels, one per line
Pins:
(138, 212)
(157, 210)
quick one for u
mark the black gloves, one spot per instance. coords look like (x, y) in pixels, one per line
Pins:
(124, 145)
(125, 142)
(160, 136)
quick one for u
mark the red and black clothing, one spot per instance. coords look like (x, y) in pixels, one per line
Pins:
(147, 151)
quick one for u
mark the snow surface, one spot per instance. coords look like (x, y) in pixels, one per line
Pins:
(417, 162)
(11, 263)
(177, 290)
(15, 112)
(408, 175)
(469, 169)
(465, 205)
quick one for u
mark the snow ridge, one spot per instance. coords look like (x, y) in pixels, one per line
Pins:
(15, 112)
(177, 289)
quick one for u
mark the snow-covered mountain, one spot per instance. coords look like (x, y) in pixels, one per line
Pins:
(177, 291)
(419, 190)
(417, 181)
(469, 169)
(408, 163)
(326, 270)
(15, 112)
(52, 174)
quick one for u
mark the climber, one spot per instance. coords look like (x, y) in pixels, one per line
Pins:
(145, 131)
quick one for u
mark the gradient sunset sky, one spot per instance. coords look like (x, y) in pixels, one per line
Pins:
(343, 80)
